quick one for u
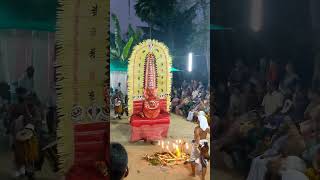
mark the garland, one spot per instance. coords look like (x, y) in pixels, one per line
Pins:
(136, 71)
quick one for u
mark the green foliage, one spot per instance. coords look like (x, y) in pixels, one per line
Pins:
(126, 49)
(157, 13)
(137, 35)
(117, 34)
(120, 49)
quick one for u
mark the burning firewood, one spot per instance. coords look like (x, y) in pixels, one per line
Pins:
(166, 158)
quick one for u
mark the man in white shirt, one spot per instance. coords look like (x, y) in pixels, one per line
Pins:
(195, 93)
(272, 101)
(27, 80)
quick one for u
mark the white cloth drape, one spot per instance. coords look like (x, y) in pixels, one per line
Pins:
(293, 175)
(117, 77)
(203, 121)
(22, 48)
(190, 116)
(294, 167)
(259, 166)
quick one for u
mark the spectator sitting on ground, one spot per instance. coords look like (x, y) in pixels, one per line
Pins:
(195, 94)
(272, 101)
(179, 108)
(194, 85)
(248, 98)
(290, 102)
(314, 97)
(175, 102)
(287, 104)
(313, 171)
(235, 103)
(238, 74)
(262, 70)
(184, 84)
(273, 72)
(290, 78)
(119, 162)
(300, 103)
(190, 97)
(207, 94)
(222, 100)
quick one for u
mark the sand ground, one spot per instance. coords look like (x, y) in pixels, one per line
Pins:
(140, 169)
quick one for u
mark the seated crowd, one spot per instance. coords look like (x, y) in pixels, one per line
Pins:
(190, 98)
(186, 100)
(266, 124)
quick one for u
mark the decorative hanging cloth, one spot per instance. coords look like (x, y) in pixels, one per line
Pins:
(81, 73)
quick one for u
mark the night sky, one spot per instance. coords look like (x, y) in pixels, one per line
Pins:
(121, 9)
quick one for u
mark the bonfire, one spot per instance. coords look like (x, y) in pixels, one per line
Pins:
(168, 156)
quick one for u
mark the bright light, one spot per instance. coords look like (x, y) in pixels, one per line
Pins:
(190, 62)
(256, 15)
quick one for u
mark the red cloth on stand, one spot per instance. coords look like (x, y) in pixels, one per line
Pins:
(91, 146)
(143, 128)
(149, 132)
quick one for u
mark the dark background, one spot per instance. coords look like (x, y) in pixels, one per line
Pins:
(288, 34)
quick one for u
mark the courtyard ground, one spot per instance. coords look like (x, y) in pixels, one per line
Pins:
(140, 169)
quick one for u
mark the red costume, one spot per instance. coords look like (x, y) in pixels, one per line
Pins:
(149, 72)
(151, 108)
(150, 119)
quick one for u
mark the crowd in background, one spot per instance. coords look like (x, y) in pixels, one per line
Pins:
(189, 98)
(266, 120)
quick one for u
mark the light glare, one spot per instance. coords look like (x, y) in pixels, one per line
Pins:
(256, 14)
(190, 62)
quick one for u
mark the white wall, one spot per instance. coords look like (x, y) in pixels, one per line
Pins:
(116, 77)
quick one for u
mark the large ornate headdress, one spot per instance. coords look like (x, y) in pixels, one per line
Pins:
(150, 72)
(149, 67)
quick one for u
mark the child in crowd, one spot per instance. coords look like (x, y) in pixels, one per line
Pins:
(119, 162)
(313, 172)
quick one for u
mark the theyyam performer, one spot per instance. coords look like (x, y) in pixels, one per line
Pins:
(149, 88)
(200, 146)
